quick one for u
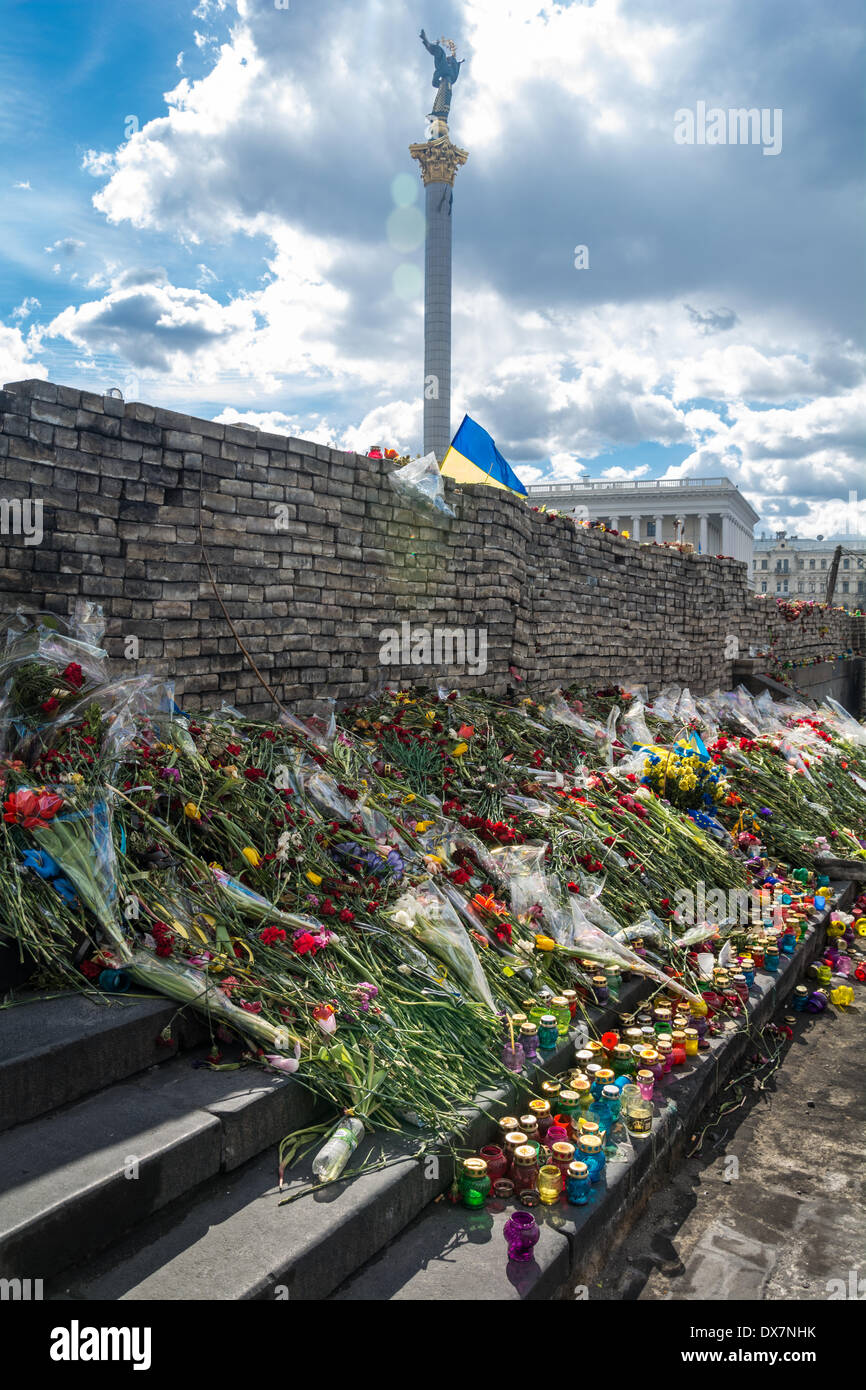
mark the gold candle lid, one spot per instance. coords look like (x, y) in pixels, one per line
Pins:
(581, 1086)
(529, 1124)
(550, 1088)
(645, 1076)
(475, 1167)
(691, 1033)
(589, 1127)
(528, 1029)
(604, 1075)
(649, 1055)
(528, 1005)
(678, 1037)
(513, 1141)
(508, 1123)
(664, 1044)
(518, 1020)
(599, 979)
(557, 1002)
(525, 1155)
(585, 1055)
(563, 1150)
(589, 1143)
(570, 996)
(568, 1097)
(539, 1108)
(594, 1047)
(577, 1169)
(633, 1035)
(622, 1050)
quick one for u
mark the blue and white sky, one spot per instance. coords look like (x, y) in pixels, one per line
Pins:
(214, 208)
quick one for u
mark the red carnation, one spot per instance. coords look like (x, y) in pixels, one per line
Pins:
(73, 675)
(271, 936)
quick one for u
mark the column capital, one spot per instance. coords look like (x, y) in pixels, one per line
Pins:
(439, 159)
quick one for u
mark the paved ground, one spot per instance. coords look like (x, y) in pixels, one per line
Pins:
(773, 1205)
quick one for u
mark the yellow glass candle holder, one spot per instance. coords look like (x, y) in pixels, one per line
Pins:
(549, 1184)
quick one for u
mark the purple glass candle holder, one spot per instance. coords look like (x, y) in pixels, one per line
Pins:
(513, 1057)
(522, 1233)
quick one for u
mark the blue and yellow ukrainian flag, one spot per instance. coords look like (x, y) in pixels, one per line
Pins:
(474, 458)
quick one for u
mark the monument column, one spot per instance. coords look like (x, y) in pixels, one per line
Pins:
(703, 536)
(439, 161)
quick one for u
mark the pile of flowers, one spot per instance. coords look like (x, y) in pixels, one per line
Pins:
(366, 904)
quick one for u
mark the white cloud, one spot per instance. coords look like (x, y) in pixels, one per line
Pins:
(66, 246)
(25, 308)
(98, 163)
(16, 359)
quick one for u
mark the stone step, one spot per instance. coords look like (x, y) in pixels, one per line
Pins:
(234, 1240)
(452, 1253)
(55, 1050)
(230, 1239)
(73, 1181)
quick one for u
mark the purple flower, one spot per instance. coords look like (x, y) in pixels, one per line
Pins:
(171, 774)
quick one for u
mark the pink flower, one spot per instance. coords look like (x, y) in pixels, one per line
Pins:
(284, 1064)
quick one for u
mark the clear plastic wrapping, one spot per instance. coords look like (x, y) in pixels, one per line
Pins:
(419, 483)
(430, 918)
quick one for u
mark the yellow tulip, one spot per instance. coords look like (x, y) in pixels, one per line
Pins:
(544, 943)
(409, 797)
(192, 811)
(422, 825)
(252, 856)
(315, 879)
(460, 750)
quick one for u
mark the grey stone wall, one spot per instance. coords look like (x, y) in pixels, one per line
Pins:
(314, 557)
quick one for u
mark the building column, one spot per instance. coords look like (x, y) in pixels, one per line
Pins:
(635, 528)
(660, 528)
(614, 523)
(703, 535)
(727, 536)
(680, 529)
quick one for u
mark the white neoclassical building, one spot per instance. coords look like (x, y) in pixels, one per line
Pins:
(800, 565)
(711, 513)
